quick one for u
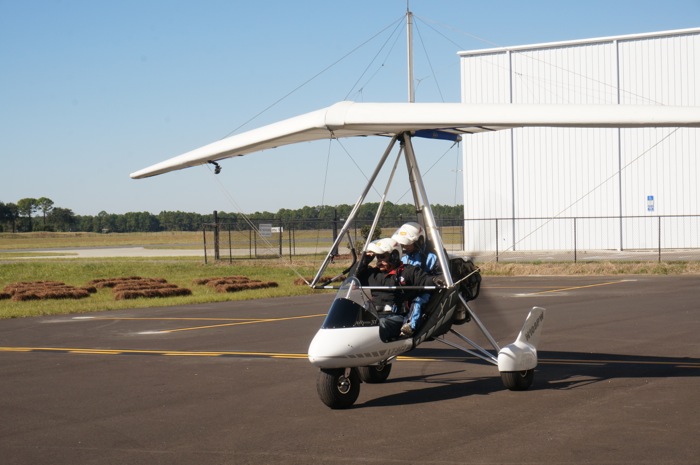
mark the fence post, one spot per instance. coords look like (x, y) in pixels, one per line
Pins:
(216, 236)
(496, 240)
(230, 246)
(204, 236)
(335, 230)
(575, 244)
(659, 239)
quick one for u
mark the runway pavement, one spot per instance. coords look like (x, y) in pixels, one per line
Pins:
(228, 383)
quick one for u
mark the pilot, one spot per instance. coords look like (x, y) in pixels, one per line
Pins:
(411, 236)
(392, 304)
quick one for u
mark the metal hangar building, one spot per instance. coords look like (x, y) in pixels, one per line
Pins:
(584, 189)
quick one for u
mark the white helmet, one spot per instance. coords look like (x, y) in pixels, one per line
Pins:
(386, 245)
(409, 233)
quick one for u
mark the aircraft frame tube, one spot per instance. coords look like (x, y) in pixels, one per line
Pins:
(418, 188)
(480, 324)
(492, 358)
(487, 357)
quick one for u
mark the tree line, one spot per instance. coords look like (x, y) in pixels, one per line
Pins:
(29, 214)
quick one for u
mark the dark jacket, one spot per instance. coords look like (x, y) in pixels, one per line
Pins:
(404, 275)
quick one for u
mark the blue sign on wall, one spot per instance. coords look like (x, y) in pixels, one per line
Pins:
(650, 203)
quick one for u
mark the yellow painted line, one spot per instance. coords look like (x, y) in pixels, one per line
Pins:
(297, 356)
(161, 319)
(235, 321)
(261, 320)
(179, 353)
(408, 358)
(679, 364)
(515, 287)
(573, 288)
(93, 351)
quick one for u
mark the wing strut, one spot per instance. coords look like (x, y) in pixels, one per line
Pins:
(425, 213)
(420, 199)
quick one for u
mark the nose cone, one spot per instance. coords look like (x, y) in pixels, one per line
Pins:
(352, 347)
(330, 347)
(317, 344)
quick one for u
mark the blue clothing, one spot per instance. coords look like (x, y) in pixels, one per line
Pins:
(416, 258)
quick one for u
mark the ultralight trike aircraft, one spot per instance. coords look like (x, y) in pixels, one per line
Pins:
(348, 348)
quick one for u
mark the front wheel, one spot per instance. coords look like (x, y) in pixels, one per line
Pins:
(518, 380)
(375, 373)
(337, 389)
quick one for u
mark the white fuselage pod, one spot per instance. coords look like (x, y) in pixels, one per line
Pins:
(353, 347)
(522, 354)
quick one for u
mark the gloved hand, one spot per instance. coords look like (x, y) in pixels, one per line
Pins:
(367, 259)
(439, 282)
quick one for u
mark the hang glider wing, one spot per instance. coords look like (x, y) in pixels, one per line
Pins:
(348, 119)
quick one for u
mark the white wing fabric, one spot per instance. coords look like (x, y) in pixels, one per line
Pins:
(348, 119)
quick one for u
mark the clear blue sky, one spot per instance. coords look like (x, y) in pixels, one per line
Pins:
(92, 90)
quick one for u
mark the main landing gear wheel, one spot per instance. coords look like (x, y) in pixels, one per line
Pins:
(375, 373)
(518, 380)
(336, 389)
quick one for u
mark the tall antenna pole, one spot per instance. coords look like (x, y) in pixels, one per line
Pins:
(409, 37)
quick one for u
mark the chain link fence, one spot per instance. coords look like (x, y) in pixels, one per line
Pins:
(656, 238)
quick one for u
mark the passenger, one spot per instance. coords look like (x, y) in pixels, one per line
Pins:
(412, 239)
(392, 304)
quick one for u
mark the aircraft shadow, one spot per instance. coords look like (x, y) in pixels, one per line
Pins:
(556, 371)
(568, 370)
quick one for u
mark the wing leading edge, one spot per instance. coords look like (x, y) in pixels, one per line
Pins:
(348, 119)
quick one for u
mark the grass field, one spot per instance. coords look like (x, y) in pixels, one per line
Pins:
(24, 266)
(180, 271)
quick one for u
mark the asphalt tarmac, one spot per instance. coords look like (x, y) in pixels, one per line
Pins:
(229, 383)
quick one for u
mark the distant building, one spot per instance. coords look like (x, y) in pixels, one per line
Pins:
(556, 189)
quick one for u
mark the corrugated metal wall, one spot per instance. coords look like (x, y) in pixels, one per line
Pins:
(523, 188)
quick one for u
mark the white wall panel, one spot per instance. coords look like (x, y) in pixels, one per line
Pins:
(488, 190)
(581, 74)
(663, 70)
(486, 79)
(537, 180)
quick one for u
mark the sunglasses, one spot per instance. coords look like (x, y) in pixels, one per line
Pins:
(383, 256)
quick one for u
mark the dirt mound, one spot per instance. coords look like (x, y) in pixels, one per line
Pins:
(134, 287)
(234, 283)
(40, 290)
(135, 280)
(321, 281)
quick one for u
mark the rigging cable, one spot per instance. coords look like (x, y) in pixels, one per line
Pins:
(267, 243)
(430, 64)
(429, 169)
(307, 81)
(394, 32)
(323, 192)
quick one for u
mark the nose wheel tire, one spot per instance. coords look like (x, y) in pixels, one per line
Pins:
(518, 380)
(338, 388)
(374, 374)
